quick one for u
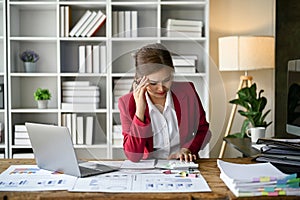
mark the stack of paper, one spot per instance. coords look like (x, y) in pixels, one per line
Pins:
(180, 27)
(185, 63)
(262, 179)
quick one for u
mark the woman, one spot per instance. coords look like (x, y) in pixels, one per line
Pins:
(161, 118)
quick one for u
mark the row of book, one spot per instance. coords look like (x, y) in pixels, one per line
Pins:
(117, 137)
(259, 179)
(125, 23)
(80, 95)
(185, 63)
(21, 137)
(80, 127)
(87, 25)
(181, 27)
(122, 86)
(92, 59)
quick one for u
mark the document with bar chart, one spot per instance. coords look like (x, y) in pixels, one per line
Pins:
(32, 178)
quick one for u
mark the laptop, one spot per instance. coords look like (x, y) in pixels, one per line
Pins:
(53, 150)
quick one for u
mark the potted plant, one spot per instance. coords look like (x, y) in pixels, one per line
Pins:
(254, 105)
(29, 57)
(42, 96)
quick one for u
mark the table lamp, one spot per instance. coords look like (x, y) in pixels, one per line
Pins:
(244, 53)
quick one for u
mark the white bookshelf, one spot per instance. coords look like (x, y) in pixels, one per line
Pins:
(36, 25)
(3, 80)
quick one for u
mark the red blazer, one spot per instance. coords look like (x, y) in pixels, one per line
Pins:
(193, 127)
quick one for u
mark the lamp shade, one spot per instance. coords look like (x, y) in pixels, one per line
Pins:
(243, 53)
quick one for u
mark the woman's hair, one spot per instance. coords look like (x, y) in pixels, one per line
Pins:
(152, 58)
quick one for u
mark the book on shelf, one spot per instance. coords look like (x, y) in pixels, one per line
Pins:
(74, 127)
(80, 130)
(99, 23)
(259, 179)
(91, 24)
(88, 59)
(121, 23)
(103, 63)
(76, 83)
(127, 23)
(183, 22)
(172, 33)
(115, 23)
(89, 130)
(79, 87)
(80, 22)
(23, 155)
(78, 99)
(96, 59)
(81, 59)
(85, 24)
(182, 28)
(81, 92)
(117, 135)
(79, 106)
(21, 136)
(185, 69)
(20, 128)
(22, 142)
(67, 20)
(92, 59)
(62, 21)
(185, 60)
(134, 23)
(185, 28)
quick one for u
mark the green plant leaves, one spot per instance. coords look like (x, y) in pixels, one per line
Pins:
(254, 105)
(42, 94)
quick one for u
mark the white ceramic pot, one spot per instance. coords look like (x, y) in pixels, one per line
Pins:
(42, 104)
(30, 67)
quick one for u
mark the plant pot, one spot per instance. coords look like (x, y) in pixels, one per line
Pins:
(42, 104)
(30, 67)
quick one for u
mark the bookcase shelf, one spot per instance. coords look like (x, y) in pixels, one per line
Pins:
(36, 25)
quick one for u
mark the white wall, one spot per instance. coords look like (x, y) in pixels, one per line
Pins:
(237, 17)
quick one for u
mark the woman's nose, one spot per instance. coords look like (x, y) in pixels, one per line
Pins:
(160, 86)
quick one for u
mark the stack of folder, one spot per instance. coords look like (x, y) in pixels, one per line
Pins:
(279, 151)
(259, 179)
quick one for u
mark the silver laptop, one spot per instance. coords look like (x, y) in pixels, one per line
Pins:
(53, 150)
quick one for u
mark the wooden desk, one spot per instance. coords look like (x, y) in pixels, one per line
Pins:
(208, 168)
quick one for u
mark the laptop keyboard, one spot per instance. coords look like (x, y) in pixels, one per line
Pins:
(84, 171)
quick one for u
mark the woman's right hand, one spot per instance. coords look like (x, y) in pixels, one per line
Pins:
(139, 90)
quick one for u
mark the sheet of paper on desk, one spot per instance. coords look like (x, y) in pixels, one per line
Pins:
(120, 182)
(142, 164)
(31, 178)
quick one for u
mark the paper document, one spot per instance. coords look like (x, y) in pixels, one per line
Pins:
(261, 179)
(120, 182)
(160, 164)
(31, 178)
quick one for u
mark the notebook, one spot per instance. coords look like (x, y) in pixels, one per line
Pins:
(53, 150)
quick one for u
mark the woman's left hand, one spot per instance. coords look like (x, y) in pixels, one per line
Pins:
(184, 155)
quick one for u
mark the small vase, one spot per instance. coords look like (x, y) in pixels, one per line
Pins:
(30, 67)
(42, 104)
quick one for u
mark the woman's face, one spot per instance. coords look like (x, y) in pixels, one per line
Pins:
(160, 82)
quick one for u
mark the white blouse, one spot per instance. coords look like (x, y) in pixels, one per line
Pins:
(165, 129)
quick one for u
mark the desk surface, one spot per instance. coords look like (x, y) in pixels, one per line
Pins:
(243, 145)
(208, 168)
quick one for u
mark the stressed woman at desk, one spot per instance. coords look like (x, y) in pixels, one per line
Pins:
(161, 118)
